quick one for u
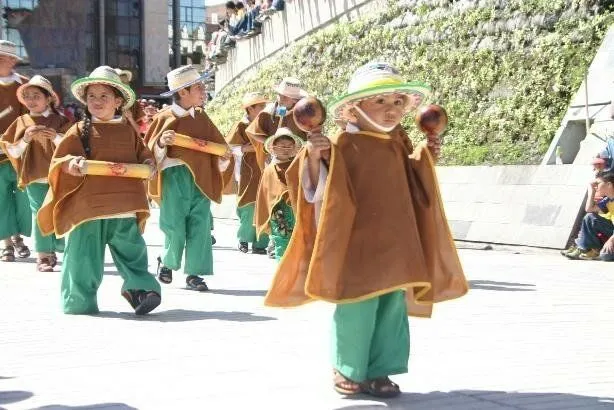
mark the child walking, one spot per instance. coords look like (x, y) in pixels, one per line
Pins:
(96, 211)
(15, 218)
(274, 214)
(247, 173)
(188, 179)
(30, 142)
(371, 234)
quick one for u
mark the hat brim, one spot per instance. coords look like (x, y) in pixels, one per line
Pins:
(171, 92)
(126, 73)
(22, 88)
(255, 102)
(78, 89)
(268, 143)
(11, 55)
(301, 93)
(341, 104)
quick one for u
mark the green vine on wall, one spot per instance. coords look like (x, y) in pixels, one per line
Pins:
(504, 70)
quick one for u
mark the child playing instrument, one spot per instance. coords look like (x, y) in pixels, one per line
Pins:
(30, 142)
(273, 212)
(15, 215)
(595, 240)
(370, 234)
(97, 210)
(189, 179)
(247, 173)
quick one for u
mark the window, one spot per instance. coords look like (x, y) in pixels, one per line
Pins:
(192, 22)
(123, 35)
(14, 9)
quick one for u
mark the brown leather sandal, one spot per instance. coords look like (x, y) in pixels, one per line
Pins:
(44, 264)
(22, 250)
(345, 386)
(8, 254)
(381, 387)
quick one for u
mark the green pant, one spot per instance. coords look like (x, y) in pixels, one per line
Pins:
(83, 264)
(247, 230)
(371, 338)
(36, 194)
(15, 215)
(185, 219)
(281, 224)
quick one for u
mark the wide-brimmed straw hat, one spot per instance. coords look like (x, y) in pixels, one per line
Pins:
(251, 99)
(182, 77)
(127, 73)
(8, 48)
(291, 88)
(373, 79)
(282, 132)
(107, 76)
(41, 82)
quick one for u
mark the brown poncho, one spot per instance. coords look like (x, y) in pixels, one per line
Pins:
(34, 162)
(265, 125)
(250, 171)
(203, 166)
(73, 200)
(8, 98)
(272, 189)
(382, 227)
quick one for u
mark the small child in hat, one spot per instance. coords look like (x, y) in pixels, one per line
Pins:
(188, 180)
(95, 210)
(274, 214)
(247, 173)
(30, 141)
(15, 215)
(370, 234)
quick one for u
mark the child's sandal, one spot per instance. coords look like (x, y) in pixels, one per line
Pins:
(381, 387)
(44, 264)
(345, 386)
(8, 254)
(22, 250)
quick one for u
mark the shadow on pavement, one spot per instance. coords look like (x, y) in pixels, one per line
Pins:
(183, 315)
(7, 397)
(501, 286)
(238, 292)
(475, 399)
(102, 406)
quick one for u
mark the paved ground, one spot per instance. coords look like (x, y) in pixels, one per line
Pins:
(535, 332)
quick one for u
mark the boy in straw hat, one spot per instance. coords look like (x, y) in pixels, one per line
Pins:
(15, 216)
(247, 173)
(371, 234)
(30, 141)
(188, 179)
(274, 214)
(276, 115)
(100, 210)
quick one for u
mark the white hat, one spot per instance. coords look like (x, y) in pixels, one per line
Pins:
(127, 73)
(107, 76)
(291, 88)
(38, 81)
(9, 48)
(182, 77)
(254, 98)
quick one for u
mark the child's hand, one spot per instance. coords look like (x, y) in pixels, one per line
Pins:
(247, 148)
(434, 145)
(227, 155)
(608, 246)
(32, 131)
(153, 168)
(74, 167)
(167, 138)
(317, 145)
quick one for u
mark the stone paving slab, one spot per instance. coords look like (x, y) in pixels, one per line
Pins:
(536, 332)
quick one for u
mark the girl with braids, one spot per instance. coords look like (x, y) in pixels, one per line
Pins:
(30, 141)
(96, 211)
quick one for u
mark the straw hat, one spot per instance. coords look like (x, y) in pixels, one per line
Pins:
(250, 99)
(373, 79)
(127, 73)
(182, 77)
(9, 48)
(282, 132)
(38, 81)
(290, 87)
(107, 76)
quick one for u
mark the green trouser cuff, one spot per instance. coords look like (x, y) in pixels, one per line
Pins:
(15, 217)
(47, 244)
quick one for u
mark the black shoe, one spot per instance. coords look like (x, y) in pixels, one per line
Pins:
(165, 275)
(197, 283)
(213, 241)
(142, 301)
(243, 247)
(259, 251)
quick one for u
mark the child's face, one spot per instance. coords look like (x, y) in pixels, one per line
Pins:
(385, 110)
(193, 97)
(284, 149)
(102, 101)
(7, 63)
(36, 101)
(254, 110)
(286, 101)
(604, 188)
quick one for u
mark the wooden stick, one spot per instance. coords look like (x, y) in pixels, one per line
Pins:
(116, 169)
(198, 144)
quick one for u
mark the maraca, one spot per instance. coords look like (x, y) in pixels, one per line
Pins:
(432, 120)
(309, 115)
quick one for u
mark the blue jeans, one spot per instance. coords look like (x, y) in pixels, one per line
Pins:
(594, 232)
